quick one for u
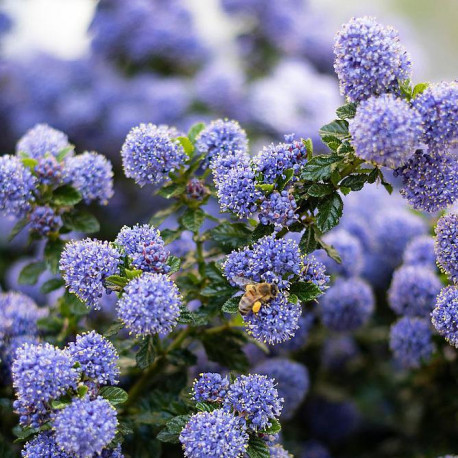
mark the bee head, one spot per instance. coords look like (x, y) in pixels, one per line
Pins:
(274, 290)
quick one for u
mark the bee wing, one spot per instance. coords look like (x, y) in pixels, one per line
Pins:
(241, 281)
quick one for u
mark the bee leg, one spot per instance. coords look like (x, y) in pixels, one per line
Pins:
(256, 307)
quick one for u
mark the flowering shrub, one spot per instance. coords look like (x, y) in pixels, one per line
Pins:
(245, 260)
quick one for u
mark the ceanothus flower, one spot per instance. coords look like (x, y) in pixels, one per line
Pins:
(347, 305)
(211, 434)
(255, 398)
(85, 426)
(97, 357)
(429, 180)
(438, 107)
(17, 188)
(210, 387)
(44, 220)
(10, 348)
(446, 245)
(145, 248)
(350, 251)
(369, 59)
(275, 322)
(411, 342)
(413, 290)
(40, 373)
(445, 315)
(92, 175)
(195, 189)
(42, 140)
(43, 446)
(292, 382)
(85, 264)
(420, 252)
(273, 160)
(269, 259)
(277, 451)
(49, 170)
(221, 137)
(150, 305)
(314, 271)
(150, 153)
(279, 209)
(222, 165)
(385, 130)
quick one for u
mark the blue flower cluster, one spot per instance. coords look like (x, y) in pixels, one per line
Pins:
(413, 290)
(279, 209)
(43, 446)
(150, 153)
(420, 251)
(85, 265)
(314, 271)
(411, 342)
(44, 221)
(385, 130)
(446, 245)
(369, 59)
(210, 387)
(445, 315)
(150, 305)
(145, 247)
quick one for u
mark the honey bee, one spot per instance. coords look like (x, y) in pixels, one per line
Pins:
(255, 295)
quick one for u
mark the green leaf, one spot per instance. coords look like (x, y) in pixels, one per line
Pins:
(331, 251)
(132, 273)
(346, 111)
(373, 176)
(329, 212)
(30, 273)
(319, 167)
(21, 224)
(187, 145)
(82, 390)
(293, 299)
(114, 394)
(59, 404)
(194, 318)
(257, 448)
(305, 291)
(231, 305)
(117, 280)
(320, 190)
(419, 88)
(63, 152)
(230, 235)
(345, 148)
(192, 219)
(24, 433)
(66, 195)
(195, 130)
(172, 190)
(265, 187)
(274, 428)
(406, 89)
(337, 128)
(113, 329)
(260, 231)
(282, 181)
(206, 407)
(173, 429)
(333, 143)
(52, 254)
(75, 305)
(81, 221)
(174, 263)
(52, 285)
(169, 235)
(146, 354)
(355, 182)
(308, 242)
(387, 186)
(29, 162)
(308, 147)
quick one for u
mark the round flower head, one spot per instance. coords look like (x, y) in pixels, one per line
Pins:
(237, 192)
(42, 140)
(221, 137)
(150, 305)
(43, 446)
(314, 271)
(413, 290)
(445, 315)
(269, 260)
(279, 209)
(438, 107)
(145, 248)
(350, 251)
(275, 322)
(43, 220)
(211, 434)
(446, 245)
(338, 351)
(97, 357)
(256, 399)
(420, 252)
(17, 188)
(292, 382)
(385, 130)
(92, 175)
(210, 387)
(273, 160)
(369, 59)
(85, 427)
(411, 342)
(429, 181)
(222, 165)
(393, 230)
(347, 305)
(85, 264)
(277, 451)
(150, 153)
(40, 373)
